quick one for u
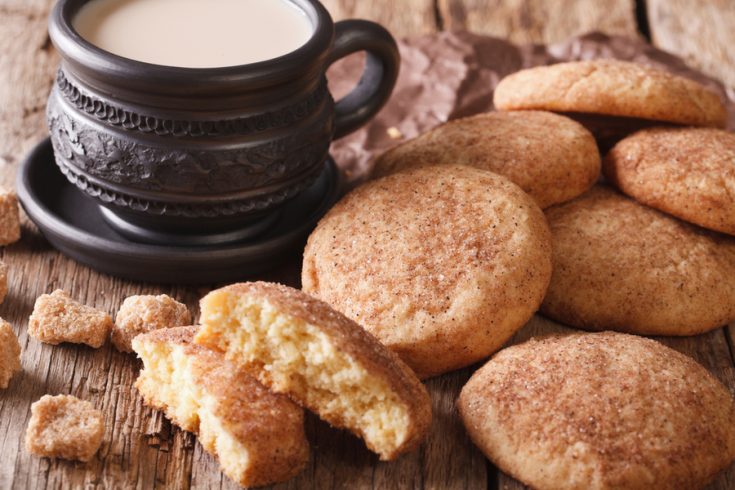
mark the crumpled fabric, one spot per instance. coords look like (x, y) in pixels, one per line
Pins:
(448, 75)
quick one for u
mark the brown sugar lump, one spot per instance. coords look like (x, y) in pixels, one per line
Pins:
(442, 264)
(685, 172)
(64, 427)
(9, 353)
(257, 436)
(597, 411)
(297, 345)
(551, 157)
(9, 218)
(619, 265)
(3, 281)
(57, 318)
(612, 88)
(141, 314)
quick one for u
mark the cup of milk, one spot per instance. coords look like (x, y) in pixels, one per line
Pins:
(186, 115)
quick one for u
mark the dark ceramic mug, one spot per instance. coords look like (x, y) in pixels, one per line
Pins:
(185, 150)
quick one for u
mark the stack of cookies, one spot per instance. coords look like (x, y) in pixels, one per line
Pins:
(466, 231)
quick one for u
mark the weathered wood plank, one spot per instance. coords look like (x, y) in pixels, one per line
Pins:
(402, 18)
(27, 64)
(539, 21)
(700, 31)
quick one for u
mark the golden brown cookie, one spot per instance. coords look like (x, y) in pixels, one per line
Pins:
(442, 264)
(685, 172)
(611, 87)
(300, 346)
(594, 411)
(551, 157)
(257, 436)
(619, 265)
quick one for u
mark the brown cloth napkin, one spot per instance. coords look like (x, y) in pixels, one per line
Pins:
(453, 74)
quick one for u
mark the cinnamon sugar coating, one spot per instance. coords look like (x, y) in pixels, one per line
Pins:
(611, 87)
(9, 353)
(619, 265)
(686, 172)
(57, 318)
(256, 435)
(141, 314)
(64, 427)
(551, 157)
(442, 264)
(600, 411)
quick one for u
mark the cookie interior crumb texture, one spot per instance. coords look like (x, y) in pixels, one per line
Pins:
(9, 353)
(9, 218)
(57, 318)
(141, 314)
(588, 411)
(64, 426)
(257, 436)
(297, 345)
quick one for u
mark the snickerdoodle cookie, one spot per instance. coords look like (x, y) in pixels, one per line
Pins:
(686, 172)
(442, 264)
(300, 346)
(600, 411)
(551, 157)
(619, 265)
(257, 436)
(614, 88)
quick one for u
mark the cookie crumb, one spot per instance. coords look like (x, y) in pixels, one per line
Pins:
(64, 427)
(58, 318)
(394, 133)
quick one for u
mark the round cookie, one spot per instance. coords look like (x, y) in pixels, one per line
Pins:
(551, 157)
(600, 411)
(442, 264)
(611, 87)
(619, 265)
(686, 172)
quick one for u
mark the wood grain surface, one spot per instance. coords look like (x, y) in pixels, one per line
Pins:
(700, 31)
(539, 21)
(141, 449)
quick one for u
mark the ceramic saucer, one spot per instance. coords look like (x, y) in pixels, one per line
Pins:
(75, 225)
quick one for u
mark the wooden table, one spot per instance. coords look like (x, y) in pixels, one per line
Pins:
(141, 449)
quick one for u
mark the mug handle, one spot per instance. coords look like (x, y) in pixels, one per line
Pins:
(377, 80)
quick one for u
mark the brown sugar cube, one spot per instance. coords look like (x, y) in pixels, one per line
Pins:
(141, 314)
(3, 281)
(57, 318)
(9, 218)
(65, 427)
(9, 353)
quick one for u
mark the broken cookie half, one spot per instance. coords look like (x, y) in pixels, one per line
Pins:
(257, 436)
(300, 346)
